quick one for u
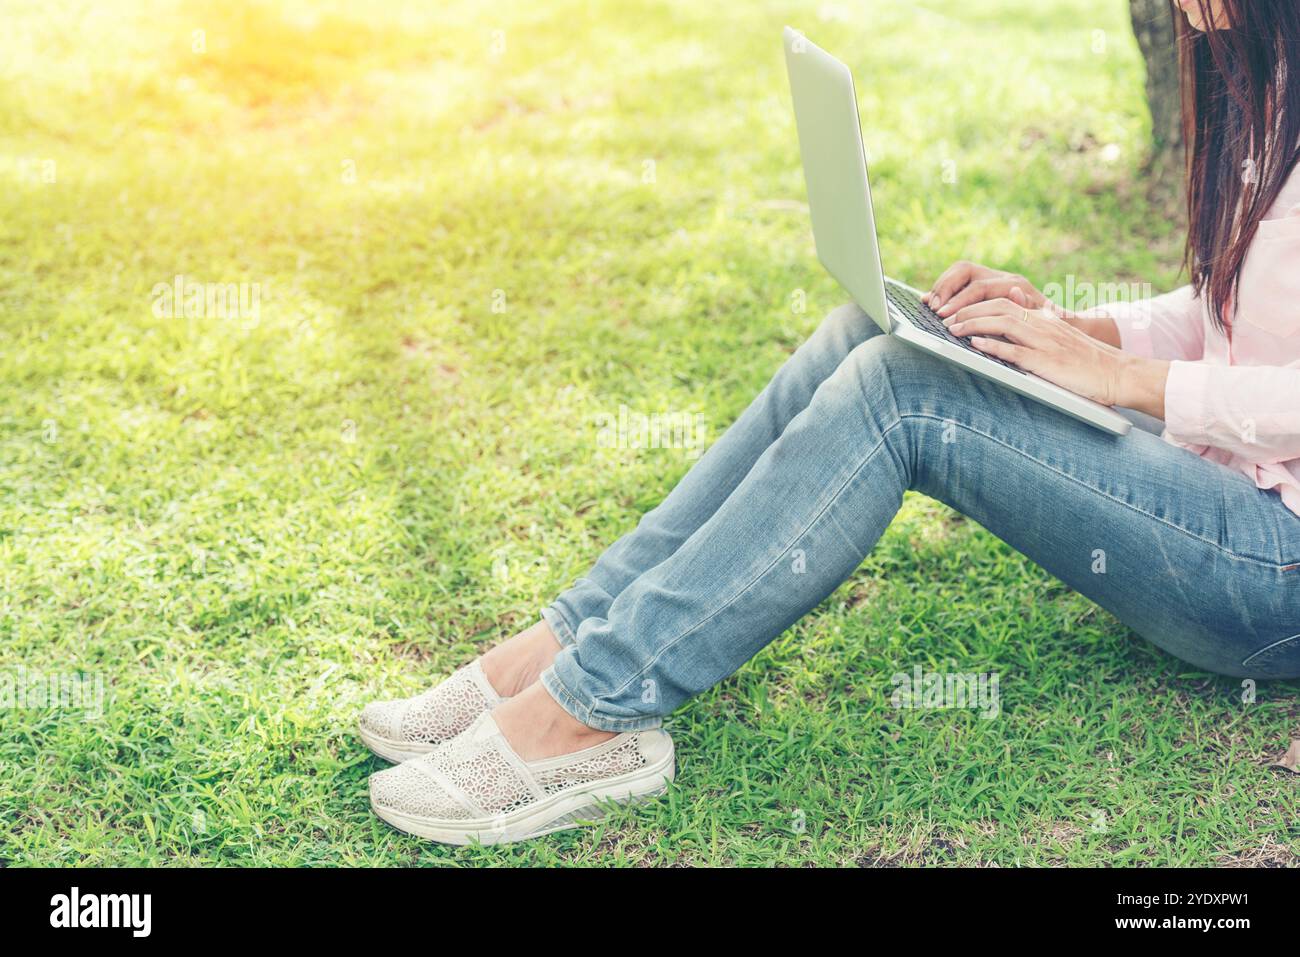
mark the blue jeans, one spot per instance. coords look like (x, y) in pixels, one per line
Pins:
(788, 502)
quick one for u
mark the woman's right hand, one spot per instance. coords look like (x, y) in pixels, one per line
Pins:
(965, 283)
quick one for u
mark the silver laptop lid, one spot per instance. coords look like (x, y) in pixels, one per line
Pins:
(835, 172)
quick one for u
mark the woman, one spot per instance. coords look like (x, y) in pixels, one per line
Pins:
(1198, 533)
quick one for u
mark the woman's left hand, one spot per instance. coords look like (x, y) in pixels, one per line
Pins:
(1039, 341)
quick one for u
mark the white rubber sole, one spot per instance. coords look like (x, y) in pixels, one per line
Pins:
(391, 750)
(557, 813)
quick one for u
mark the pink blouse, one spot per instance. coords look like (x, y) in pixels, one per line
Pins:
(1234, 398)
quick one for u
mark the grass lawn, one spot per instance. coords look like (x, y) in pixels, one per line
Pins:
(468, 232)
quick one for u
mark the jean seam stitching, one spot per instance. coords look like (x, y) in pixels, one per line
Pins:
(1267, 563)
(553, 684)
(568, 637)
(1268, 649)
(766, 568)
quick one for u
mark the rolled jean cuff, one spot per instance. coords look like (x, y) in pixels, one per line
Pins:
(583, 708)
(564, 633)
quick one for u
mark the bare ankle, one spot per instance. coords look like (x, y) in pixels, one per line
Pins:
(518, 662)
(538, 728)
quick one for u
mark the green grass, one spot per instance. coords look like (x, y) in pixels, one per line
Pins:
(248, 529)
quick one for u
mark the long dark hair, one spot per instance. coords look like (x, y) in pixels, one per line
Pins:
(1241, 130)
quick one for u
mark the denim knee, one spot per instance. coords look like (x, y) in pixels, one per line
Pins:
(894, 377)
(840, 331)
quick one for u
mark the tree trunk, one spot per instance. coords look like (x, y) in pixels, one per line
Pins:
(1154, 27)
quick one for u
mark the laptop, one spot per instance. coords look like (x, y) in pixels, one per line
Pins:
(844, 230)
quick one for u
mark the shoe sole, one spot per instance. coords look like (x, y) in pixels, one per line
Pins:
(390, 750)
(561, 812)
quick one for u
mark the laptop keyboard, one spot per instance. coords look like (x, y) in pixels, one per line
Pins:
(924, 318)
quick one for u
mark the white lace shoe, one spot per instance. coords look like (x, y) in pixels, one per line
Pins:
(406, 728)
(476, 788)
